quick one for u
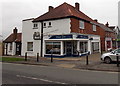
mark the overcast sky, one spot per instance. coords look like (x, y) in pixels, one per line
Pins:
(14, 11)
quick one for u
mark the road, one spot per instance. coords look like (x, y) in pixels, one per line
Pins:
(36, 74)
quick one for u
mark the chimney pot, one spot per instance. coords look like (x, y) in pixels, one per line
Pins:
(96, 20)
(51, 8)
(107, 24)
(15, 33)
(77, 5)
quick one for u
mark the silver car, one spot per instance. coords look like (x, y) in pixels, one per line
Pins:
(111, 56)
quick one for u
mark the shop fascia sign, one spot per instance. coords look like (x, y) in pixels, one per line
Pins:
(61, 36)
(70, 36)
(108, 39)
(82, 36)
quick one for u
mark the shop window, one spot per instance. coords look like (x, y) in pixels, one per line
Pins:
(95, 46)
(94, 27)
(83, 47)
(30, 46)
(53, 46)
(81, 24)
(35, 26)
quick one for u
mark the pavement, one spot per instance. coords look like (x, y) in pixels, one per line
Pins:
(73, 62)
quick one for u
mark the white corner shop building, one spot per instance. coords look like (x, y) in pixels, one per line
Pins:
(53, 35)
(57, 38)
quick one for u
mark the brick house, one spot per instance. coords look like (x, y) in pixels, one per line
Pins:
(108, 37)
(65, 29)
(12, 44)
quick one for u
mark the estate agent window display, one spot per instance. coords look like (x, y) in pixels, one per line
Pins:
(54, 46)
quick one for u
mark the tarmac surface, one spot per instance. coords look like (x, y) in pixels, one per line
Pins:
(94, 62)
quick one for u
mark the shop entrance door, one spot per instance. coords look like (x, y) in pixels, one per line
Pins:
(69, 48)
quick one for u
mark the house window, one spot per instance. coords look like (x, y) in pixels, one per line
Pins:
(30, 46)
(44, 25)
(53, 46)
(10, 46)
(35, 26)
(94, 27)
(50, 24)
(81, 24)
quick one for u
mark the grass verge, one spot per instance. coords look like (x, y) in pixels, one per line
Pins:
(10, 59)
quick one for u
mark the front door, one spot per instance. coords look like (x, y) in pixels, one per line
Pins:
(69, 48)
(18, 48)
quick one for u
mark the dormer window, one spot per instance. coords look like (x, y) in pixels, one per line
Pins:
(35, 26)
(94, 27)
(81, 24)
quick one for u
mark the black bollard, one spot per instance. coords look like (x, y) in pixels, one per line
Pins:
(87, 59)
(37, 57)
(51, 57)
(117, 60)
(26, 56)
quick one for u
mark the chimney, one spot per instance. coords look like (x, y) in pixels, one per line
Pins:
(107, 24)
(77, 5)
(50, 8)
(15, 33)
(96, 20)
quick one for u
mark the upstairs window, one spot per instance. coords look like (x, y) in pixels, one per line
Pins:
(81, 24)
(44, 25)
(50, 25)
(94, 27)
(35, 26)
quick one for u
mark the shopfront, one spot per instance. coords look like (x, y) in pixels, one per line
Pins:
(74, 45)
(108, 44)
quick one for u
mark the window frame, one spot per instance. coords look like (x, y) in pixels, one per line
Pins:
(94, 27)
(81, 24)
(35, 25)
(49, 24)
(11, 46)
(53, 46)
(83, 46)
(44, 25)
(28, 47)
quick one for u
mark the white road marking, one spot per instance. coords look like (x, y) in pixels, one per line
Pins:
(45, 80)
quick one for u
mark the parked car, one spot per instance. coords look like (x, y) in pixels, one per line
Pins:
(111, 56)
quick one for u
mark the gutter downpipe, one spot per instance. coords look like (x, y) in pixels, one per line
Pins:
(41, 51)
